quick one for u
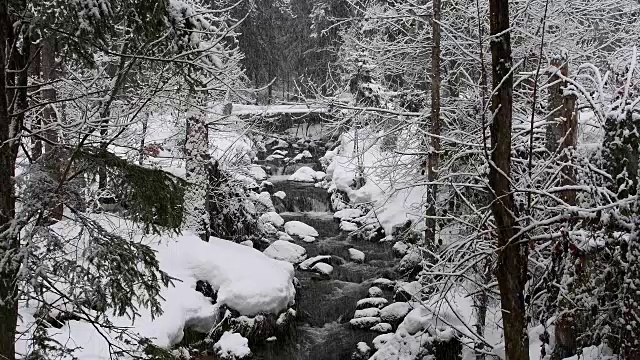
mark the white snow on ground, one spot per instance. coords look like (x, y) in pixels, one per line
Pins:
(299, 228)
(232, 346)
(347, 214)
(286, 251)
(245, 280)
(307, 174)
(280, 194)
(272, 217)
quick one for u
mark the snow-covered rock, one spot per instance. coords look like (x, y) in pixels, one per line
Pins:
(348, 214)
(308, 239)
(307, 174)
(232, 346)
(348, 226)
(302, 155)
(363, 351)
(384, 283)
(264, 198)
(368, 312)
(382, 327)
(272, 217)
(299, 228)
(371, 302)
(356, 255)
(408, 290)
(285, 251)
(307, 264)
(248, 243)
(410, 261)
(364, 322)
(322, 268)
(375, 291)
(400, 248)
(268, 228)
(399, 345)
(280, 194)
(284, 236)
(381, 340)
(394, 313)
(257, 172)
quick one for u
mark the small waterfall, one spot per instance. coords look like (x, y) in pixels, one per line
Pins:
(301, 197)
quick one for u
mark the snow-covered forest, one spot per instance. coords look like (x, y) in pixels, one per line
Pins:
(320, 179)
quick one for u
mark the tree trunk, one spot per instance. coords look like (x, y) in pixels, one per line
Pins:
(511, 269)
(11, 101)
(434, 143)
(197, 158)
(561, 133)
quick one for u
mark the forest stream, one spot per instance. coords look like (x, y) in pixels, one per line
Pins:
(326, 304)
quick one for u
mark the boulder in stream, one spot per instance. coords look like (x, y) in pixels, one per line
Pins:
(382, 327)
(308, 264)
(286, 251)
(280, 194)
(378, 302)
(375, 291)
(384, 283)
(363, 352)
(348, 214)
(322, 268)
(356, 255)
(368, 312)
(348, 226)
(400, 248)
(299, 228)
(272, 217)
(232, 346)
(394, 313)
(364, 322)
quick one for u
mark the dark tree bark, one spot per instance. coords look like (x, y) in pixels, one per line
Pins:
(13, 64)
(561, 132)
(511, 269)
(434, 143)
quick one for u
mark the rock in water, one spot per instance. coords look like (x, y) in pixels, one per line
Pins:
(384, 283)
(394, 313)
(280, 194)
(400, 248)
(322, 268)
(382, 328)
(307, 264)
(286, 251)
(356, 255)
(272, 217)
(372, 302)
(375, 292)
(348, 226)
(363, 352)
(299, 228)
(364, 322)
(369, 312)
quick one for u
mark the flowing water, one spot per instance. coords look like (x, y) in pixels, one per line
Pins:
(326, 304)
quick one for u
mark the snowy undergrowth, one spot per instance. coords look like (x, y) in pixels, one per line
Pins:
(245, 280)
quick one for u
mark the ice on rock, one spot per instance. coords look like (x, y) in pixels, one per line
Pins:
(307, 264)
(286, 251)
(272, 217)
(348, 226)
(364, 322)
(322, 268)
(375, 291)
(369, 312)
(299, 228)
(280, 194)
(356, 255)
(395, 312)
(348, 214)
(232, 346)
(382, 328)
(371, 302)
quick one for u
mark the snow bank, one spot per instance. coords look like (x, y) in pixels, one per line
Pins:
(286, 251)
(299, 228)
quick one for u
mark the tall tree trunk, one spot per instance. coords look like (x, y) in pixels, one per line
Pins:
(434, 143)
(36, 121)
(12, 73)
(511, 269)
(197, 158)
(562, 131)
